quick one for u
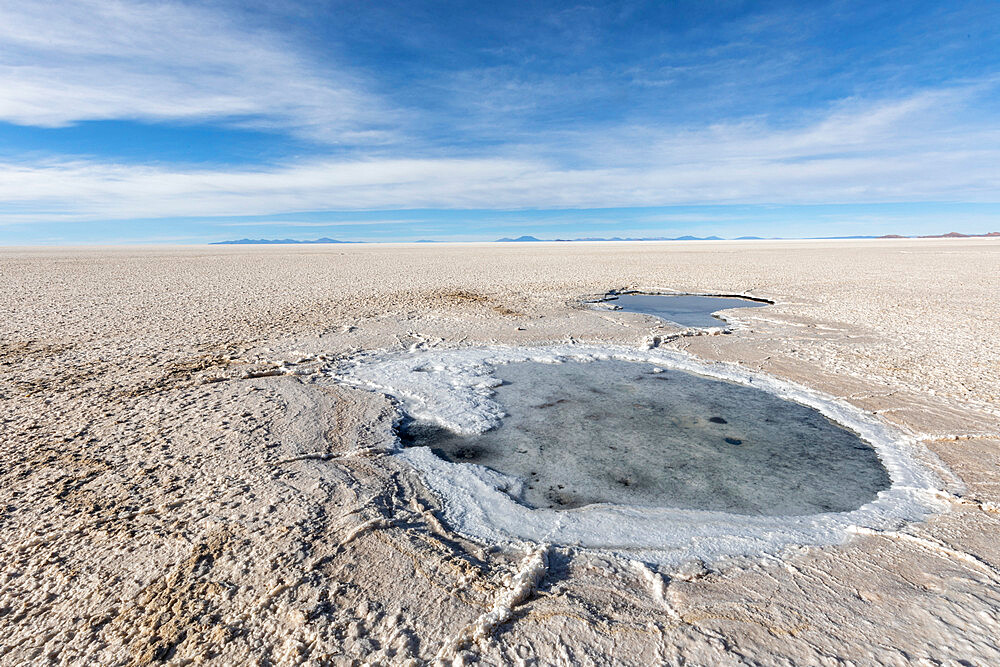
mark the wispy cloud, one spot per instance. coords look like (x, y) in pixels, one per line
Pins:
(903, 150)
(559, 110)
(67, 61)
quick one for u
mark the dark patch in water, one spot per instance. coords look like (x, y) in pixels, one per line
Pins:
(717, 420)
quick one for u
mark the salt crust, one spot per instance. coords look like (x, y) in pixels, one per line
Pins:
(454, 388)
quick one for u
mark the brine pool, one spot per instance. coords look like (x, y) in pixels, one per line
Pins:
(687, 310)
(619, 432)
(652, 453)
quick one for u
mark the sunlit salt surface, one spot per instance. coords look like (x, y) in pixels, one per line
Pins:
(683, 309)
(456, 389)
(635, 434)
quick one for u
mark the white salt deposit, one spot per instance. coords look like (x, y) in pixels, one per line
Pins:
(454, 388)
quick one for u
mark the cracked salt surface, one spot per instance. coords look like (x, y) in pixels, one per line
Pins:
(458, 390)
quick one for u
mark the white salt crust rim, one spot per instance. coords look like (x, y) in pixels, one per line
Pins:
(454, 388)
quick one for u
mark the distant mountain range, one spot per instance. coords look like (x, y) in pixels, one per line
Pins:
(949, 235)
(528, 239)
(277, 241)
(533, 239)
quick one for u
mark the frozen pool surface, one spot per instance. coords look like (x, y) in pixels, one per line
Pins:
(683, 309)
(635, 434)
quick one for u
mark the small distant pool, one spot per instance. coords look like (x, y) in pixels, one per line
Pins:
(683, 309)
(619, 432)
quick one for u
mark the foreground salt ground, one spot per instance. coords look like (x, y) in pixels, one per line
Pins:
(176, 485)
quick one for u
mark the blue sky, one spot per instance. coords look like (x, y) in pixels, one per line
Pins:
(184, 122)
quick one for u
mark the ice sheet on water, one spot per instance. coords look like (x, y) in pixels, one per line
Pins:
(455, 389)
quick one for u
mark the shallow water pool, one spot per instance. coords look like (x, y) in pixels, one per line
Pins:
(683, 309)
(631, 433)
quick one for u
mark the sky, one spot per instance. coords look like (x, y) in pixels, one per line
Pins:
(192, 122)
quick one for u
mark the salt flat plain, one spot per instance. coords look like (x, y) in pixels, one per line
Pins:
(180, 482)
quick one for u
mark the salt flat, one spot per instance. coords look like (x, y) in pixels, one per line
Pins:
(179, 482)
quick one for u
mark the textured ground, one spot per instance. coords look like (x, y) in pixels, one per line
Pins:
(177, 484)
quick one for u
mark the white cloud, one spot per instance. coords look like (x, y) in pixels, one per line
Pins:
(67, 61)
(914, 149)
(926, 122)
